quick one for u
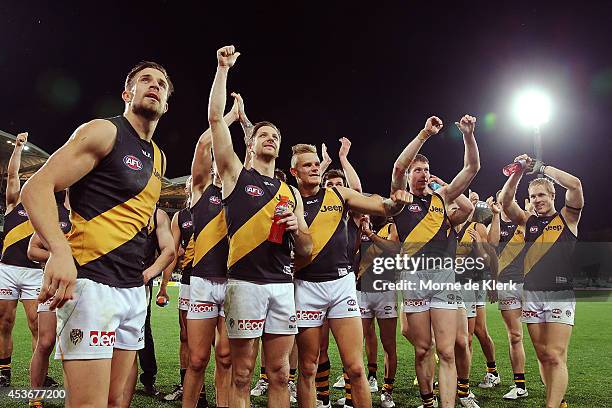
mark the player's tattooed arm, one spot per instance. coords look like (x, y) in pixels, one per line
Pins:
(399, 176)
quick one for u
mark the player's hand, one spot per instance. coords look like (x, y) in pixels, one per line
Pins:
(402, 197)
(474, 197)
(149, 274)
(326, 157)
(467, 124)
(529, 162)
(344, 147)
(475, 235)
(21, 139)
(436, 179)
(529, 207)
(227, 56)
(163, 292)
(290, 220)
(495, 207)
(433, 125)
(238, 107)
(180, 252)
(59, 279)
(364, 224)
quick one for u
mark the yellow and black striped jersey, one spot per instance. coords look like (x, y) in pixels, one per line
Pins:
(185, 223)
(511, 252)
(549, 245)
(249, 211)
(111, 207)
(210, 233)
(326, 215)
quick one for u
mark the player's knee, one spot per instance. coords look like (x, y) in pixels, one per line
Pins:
(423, 350)
(308, 369)
(278, 373)
(355, 370)
(222, 358)
(515, 337)
(241, 377)
(198, 361)
(551, 357)
(45, 343)
(6, 324)
(446, 354)
(389, 346)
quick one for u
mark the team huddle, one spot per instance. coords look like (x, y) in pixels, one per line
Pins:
(265, 262)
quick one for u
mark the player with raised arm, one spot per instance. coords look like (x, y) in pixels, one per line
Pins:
(549, 302)
(259, 297)
(423, 233)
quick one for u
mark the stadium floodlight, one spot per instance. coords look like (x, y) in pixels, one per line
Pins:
(532, 108)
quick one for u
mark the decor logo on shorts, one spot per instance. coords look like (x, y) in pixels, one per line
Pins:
(205, 307)
(310, 315)
(6, 291)
(101, 338)
(251, 324)
(184, 302)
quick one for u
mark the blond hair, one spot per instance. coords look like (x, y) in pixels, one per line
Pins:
(543, 181)
(301, 148)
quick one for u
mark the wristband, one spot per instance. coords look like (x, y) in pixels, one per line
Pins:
(422, 136)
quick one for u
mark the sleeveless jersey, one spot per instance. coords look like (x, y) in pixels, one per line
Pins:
(210, 235)
(17, 233)
(548, 257)
(511, 252)
(326, 215)
(423, 227)
(465, 249)
(110, 208)
(369, 251)
(353, 242)
(249, 211)
(186, 242)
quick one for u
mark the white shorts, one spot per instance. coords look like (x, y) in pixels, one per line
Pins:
(549, 307)
(421, 298)
(99, 319)
(206, 298)
(336, 299)
(510, 299)
(184, 296)
(17, 282)
(252, 309)
(382, 305)
(466, 299)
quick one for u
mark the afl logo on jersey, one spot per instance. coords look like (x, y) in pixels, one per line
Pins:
(23, 213)
(187, 224)
(132, 162)
(504, 233)
(63, 225)
(216, 200)
(414, 208)
(533, 229)
(253, 190)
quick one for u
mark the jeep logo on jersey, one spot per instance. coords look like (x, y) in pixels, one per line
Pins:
(132, 162)
(327, 208)
(101, 338)
(251, 324)
(216, 200)
(533, 229)
(253, 190)
(23, 213)
(414, 208)
(187, 224)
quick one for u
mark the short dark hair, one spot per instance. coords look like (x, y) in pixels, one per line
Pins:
(261, 124)
(333, 173)
(144, 65)
(418, 158)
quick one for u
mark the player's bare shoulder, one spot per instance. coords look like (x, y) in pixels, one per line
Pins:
(96, 137)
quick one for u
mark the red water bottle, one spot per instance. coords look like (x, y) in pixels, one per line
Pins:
(277, 230)
(514, 167)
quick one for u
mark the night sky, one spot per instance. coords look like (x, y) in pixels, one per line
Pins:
(326, 70)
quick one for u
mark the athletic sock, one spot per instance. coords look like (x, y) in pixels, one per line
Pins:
(492, 368)
(388, 385)
(519, 380)
(5, 367)
(262, 374)
(347, 390)
(463, 387)
(428, 400)
(322, 382)
(293, 374)
(183, 371)
(372, 368)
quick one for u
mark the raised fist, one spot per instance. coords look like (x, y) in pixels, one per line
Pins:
(345, 147)
(467, 124)
(433, 125)
(227, 56)
(21, 139)
(495, 207)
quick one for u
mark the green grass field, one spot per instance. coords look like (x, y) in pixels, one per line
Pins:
(590, 362)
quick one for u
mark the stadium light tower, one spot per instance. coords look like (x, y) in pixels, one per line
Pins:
(532, 108)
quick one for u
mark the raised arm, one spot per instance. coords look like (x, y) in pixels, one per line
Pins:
(228, 163)
(247, 128)
(352, 178)
(167, 273)
(399, 176)
(471, 161)
(326, 159)
(494, 228)
(574, 198)
(462, 212)
(388, 245)
(509, 204)
(375, 204)
(87, 146)
(13, 185)
(166, 245)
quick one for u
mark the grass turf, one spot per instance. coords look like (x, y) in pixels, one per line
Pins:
(589, 362)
